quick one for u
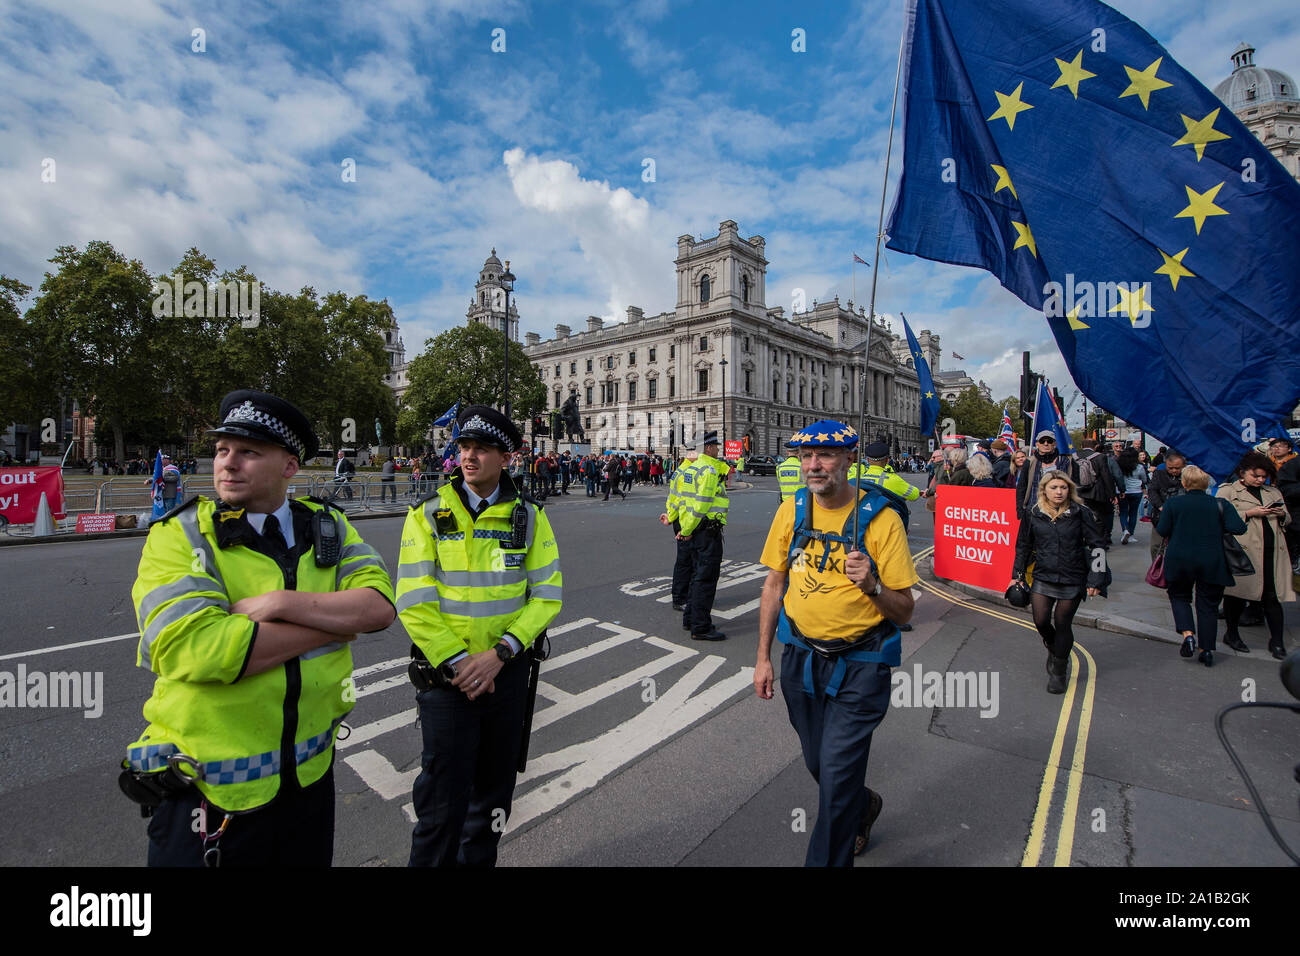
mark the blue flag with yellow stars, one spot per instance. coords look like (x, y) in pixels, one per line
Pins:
(1055, 144)
(929, 398)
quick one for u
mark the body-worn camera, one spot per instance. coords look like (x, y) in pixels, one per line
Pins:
(424, 676)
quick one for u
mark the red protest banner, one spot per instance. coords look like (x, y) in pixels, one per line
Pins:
(975, 535)
(87, 524)
(732, 449)
(20, 492)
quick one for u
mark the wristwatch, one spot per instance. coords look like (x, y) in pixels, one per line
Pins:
(504, 652)
(879, 587)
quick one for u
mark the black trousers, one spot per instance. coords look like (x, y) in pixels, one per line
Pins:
(1105, 514)
(1206, 624)
(706, 564)
(468, 769)
(295, 829)
(683, 568)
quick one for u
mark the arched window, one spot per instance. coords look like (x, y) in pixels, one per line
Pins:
(744, 289)
(704, 288)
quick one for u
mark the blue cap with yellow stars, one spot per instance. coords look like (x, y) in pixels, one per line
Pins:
(827, 433)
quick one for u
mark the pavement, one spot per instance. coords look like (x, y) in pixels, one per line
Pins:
(1135, 608)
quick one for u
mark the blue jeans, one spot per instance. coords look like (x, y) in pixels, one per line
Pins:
(1128, 512)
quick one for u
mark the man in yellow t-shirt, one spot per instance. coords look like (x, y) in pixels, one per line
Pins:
(835, 613)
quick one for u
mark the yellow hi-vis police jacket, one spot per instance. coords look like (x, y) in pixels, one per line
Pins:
(245, 730)
(703, 494)
(673, 507)
(789, 477)
(882, 476)
(460, 586)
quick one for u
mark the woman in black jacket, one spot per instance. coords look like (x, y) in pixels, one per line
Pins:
(1194, 525)
(1061, 537)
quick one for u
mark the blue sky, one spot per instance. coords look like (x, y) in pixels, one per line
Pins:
(538, 150)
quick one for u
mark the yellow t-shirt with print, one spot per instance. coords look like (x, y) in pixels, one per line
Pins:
(825, 604)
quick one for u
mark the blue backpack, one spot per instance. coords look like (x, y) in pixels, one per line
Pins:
(870, 506)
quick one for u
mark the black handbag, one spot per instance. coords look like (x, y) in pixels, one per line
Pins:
(1239, 563)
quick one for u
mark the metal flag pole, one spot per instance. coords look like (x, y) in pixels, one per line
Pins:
(875, 271)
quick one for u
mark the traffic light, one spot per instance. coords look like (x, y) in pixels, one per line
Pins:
(539, 425)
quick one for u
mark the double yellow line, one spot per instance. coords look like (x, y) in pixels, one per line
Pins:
(1074, 778)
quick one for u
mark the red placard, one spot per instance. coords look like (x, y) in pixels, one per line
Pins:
(733, 449)
(88, 524)
(975, 535)
(20, 492)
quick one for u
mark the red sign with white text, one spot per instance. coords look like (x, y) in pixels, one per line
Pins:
(975, 535)
(88, 524)
(733, 449)
(20, 492)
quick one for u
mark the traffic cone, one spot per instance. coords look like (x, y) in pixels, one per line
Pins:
(44, 520)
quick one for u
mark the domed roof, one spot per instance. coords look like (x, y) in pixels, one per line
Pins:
(1251, 86)
(492, 262)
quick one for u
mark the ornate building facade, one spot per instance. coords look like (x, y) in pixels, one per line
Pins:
(722, 355)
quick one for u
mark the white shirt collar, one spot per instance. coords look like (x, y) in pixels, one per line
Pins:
(282, 515)
(474, 499)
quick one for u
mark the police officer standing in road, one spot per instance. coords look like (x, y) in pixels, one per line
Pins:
(683, 567)
(478, 582)
(879, 473)
(832, 603)
(246, 606)
(789, 477)
(702, 514)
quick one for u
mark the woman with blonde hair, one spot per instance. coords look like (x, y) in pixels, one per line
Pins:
(1060, 536)
(1018, 459)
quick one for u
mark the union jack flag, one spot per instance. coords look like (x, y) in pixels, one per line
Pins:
(1008, 434)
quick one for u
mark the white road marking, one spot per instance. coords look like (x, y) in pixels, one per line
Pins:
(584, 765)
(588, 763)
(735, 612)
(68, 647)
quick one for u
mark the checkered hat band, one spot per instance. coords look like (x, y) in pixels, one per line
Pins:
(480, 424)
(246, 413)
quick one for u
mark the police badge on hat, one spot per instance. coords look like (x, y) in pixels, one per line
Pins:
(488, 426)
(262, 417)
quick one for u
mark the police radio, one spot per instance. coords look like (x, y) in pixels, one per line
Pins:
(325, 532)
(518, 526)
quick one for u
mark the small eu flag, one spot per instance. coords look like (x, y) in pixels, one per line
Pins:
(447, 417)
(1055, 144)
(929, 400)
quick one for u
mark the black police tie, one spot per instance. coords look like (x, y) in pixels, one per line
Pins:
(274, 536)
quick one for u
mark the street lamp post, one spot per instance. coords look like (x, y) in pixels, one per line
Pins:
(723, 365)
(508, 284)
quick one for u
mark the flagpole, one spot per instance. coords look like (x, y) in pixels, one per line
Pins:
(875, 271)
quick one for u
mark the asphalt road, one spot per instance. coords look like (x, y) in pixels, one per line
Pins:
(651, 749)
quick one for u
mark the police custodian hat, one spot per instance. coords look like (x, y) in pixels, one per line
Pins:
(486, 425)
(262, 417)
(826, 433)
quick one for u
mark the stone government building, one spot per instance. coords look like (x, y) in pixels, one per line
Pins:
(781, 372)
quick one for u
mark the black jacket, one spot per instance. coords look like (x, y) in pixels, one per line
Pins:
(1002, 469)
(1288, 482)
(1194, 524)
(1062, 550)
(1163, 487)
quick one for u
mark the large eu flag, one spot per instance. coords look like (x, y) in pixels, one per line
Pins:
(1057, 145)
(929, 398)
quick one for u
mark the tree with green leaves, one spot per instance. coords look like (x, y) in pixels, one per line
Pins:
(464, 364)
(975, 415)
(94, 324)
(26, 394)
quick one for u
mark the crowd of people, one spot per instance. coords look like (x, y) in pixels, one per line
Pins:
(1233, 545)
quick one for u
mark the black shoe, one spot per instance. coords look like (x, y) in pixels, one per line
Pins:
(1189, 646)
(1207, 658)
(1058, 668)
(1278, 651)
(713, 635)
(905, 627)
(863, 837)
(679, 607)
(1236, 643)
